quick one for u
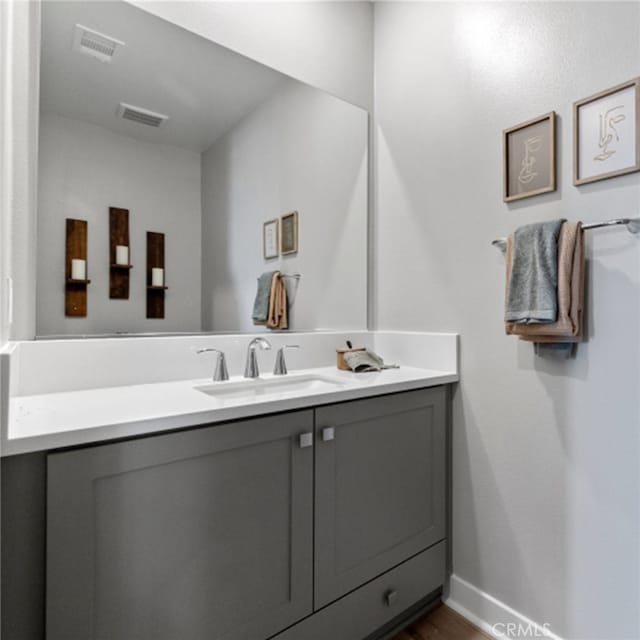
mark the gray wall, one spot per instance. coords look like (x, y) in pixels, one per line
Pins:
(546, 481)
(327, 44)
(85, 169)
(20, 55)
(302, 150)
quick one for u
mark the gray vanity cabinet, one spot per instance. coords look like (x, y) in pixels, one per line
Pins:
(314, 524)
(204, 534)
(380, 486)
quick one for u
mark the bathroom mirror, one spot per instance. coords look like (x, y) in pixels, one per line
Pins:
(204, 146)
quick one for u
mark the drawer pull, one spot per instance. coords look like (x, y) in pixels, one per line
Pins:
(391, 597)
(306, 440)
(328, 433)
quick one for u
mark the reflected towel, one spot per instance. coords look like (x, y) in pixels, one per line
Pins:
(261, 303)
(570, 292)
(531, 291)
(277, 317)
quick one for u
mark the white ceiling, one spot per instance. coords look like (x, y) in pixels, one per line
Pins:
(204, 88)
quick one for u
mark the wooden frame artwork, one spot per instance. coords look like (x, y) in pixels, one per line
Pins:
(606, 133)
(270, 243)
(289, 233)
(529, 163)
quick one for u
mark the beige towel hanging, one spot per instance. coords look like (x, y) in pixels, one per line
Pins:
(277, 317)
(571, 267)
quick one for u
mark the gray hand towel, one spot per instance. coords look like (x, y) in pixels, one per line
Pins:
(360, 361)
(261, 304)
(532, 295)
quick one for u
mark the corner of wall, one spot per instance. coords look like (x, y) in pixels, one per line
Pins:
(494, 617)
(19, 31)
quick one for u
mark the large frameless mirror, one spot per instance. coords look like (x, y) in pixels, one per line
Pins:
(201, 147)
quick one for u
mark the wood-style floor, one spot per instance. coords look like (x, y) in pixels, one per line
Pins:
(442, 623)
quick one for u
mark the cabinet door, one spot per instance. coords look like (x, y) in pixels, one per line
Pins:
(205, 534)
(380, 486)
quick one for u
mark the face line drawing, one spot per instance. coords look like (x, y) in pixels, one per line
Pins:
(608, 132)
(531, 145)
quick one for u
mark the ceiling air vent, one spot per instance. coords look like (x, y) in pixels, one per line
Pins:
(95, 44)
(143, 116)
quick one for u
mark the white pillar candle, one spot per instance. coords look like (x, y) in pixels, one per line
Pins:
(78, 269)
(157, 277)
(122, 254)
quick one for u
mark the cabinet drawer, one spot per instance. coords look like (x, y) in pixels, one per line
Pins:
(361, 612)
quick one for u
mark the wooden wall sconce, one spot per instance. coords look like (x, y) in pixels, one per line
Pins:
(155, 275)
(119, 253)
(75, 288)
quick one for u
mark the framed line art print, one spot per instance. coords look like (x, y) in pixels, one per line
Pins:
(529, 163)
(270, 239)
(289, 233)
(606, 133)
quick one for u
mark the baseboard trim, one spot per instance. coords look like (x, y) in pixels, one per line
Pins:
(491, 615)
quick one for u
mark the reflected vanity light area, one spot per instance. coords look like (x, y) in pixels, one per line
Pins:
(236, 144)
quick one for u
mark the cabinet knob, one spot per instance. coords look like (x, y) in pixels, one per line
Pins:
(328, 433)
(306, 440)
(391, 597)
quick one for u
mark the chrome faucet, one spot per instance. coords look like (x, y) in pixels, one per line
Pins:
(251, 367)
(220, 372)
(281, 366)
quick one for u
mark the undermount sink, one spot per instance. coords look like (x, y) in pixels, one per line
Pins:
(252, 388)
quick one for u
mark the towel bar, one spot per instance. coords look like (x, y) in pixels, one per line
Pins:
(632, 224)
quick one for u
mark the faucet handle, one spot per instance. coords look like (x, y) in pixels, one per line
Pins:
(220, 372)
(281, 366)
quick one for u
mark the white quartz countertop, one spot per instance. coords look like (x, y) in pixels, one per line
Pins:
(53, 420)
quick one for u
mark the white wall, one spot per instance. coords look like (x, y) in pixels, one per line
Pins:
(5, 175)
(19, 64)
(302, 150)
(326, 44)
(546, 480)
(84, 170)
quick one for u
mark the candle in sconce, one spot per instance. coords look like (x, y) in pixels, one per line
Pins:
(157, 277)
(78, 269)
(122, 254)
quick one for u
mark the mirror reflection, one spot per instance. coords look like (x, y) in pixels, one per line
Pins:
(201, 147)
